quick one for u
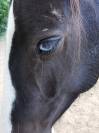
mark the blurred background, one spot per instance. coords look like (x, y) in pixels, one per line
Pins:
(4, 5)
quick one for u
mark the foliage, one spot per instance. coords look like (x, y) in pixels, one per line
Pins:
(3, 15)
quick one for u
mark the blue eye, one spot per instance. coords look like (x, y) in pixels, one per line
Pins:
(49, 45)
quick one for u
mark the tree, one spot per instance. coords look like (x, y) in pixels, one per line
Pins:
(3, 15)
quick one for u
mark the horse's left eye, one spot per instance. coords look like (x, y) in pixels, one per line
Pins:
(48, 45)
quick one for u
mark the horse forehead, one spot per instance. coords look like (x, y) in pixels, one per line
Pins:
(37, 15)
(38, 7)
(44, 3)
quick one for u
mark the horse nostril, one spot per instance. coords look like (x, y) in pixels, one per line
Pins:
(51, 93)
(50, 90)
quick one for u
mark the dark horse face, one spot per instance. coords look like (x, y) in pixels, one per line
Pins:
(54, 57)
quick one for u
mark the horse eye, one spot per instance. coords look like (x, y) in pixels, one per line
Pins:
(49, 45)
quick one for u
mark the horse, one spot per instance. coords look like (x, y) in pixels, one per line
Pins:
(52, 55)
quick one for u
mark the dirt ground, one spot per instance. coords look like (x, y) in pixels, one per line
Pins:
(81, 117)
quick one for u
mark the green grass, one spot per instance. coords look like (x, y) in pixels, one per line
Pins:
(3, 16)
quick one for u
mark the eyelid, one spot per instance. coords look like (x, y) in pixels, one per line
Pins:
(53, 38)
(50, 38)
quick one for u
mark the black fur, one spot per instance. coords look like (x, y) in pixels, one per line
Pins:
(46, 85)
